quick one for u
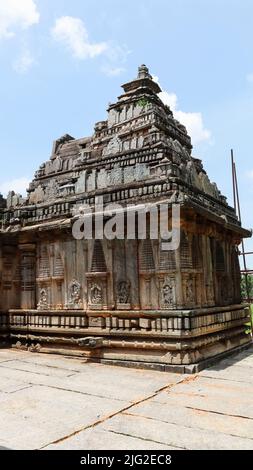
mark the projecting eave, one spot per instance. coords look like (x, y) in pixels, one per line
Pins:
(146, 83)
(220, 220)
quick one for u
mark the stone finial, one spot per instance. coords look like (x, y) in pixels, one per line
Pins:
(143, 72)
(144, 79)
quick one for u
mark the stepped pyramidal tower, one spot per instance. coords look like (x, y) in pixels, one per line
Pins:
(125, 301)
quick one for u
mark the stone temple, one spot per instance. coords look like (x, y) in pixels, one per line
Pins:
(123, 301)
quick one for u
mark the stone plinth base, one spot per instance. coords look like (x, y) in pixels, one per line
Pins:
(185, 340)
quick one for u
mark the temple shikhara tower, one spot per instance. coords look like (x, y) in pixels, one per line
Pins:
(125, 301)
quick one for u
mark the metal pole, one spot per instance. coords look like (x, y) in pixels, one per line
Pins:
(240, 219)
(239, 215)
(233, 177)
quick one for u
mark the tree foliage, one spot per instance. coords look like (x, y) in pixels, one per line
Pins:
(244, 287)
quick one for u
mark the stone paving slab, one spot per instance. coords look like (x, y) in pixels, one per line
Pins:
(193, 418)
(37, 368)
(8, 385)
(45, 415)
(212, 404)
(241, 362)
(92, 379)
(51, 360)
(174, 435)
(220, 385)
(215, 388)
(232, 373)
(10, 355)
(101, 439)
(57, 402)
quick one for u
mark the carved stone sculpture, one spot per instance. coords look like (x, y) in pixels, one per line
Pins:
(123, 292)
(75, 300)
(43, 299)
(96, 296)
(113, 147)
(168, 293)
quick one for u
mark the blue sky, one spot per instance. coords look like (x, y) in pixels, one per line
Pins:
(62, 62)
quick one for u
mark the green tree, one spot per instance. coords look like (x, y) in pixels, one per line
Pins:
(244, 286)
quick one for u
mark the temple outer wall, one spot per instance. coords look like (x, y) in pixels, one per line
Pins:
(125, 301)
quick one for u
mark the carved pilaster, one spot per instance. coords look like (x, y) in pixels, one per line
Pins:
(28, 275)
(189, 290)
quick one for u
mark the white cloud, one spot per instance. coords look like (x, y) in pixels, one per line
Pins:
(249, 77)
(116, 58)
(111, 71)
(24, 62)
(18, 185)
(17, 14)
(72, 33)
(192, 121)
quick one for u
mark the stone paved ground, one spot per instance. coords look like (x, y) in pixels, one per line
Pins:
(54, 402)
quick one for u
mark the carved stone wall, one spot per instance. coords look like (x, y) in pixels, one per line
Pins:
(123, 300)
